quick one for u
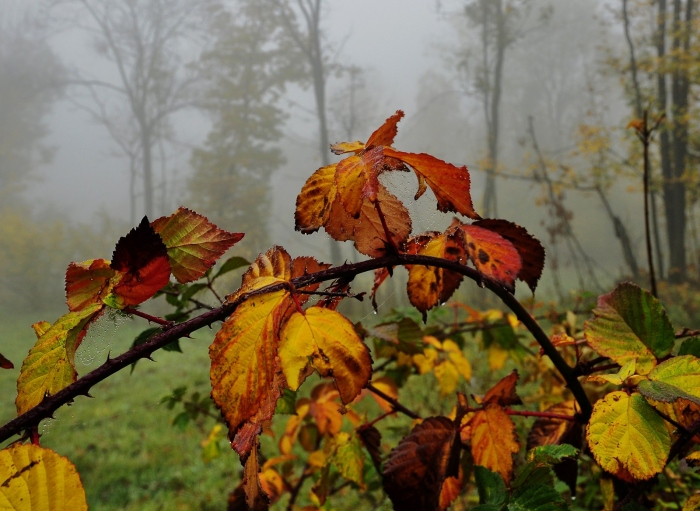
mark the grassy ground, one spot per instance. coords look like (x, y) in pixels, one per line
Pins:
(126, 450)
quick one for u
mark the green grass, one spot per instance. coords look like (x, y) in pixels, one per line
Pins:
(127, 452)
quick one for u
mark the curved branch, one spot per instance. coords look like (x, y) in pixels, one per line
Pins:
(82, 386)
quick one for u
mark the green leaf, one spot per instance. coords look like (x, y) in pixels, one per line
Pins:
(627, 437)
(191, 290)
(349, 459)
(540, 460)
(232, 263)
(173, 346)
(492, 489)
(536, 498)
(690, 346)
(676, 378)
(630, 323)
(181, 420)
(286, 404)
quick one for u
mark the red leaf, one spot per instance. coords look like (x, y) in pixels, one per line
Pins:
(417, 467)
(5, 363)
(492, 254)
(142, 259)
(529, 248)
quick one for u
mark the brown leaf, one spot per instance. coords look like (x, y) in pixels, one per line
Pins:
(418, 466)
(5, 363)
(367, 231)
(503, 393)
(88, 283)
(371, 438)
(255, 496)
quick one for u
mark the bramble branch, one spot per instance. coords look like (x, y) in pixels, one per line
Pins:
(82, 386)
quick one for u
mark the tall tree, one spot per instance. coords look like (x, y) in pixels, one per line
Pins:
(245, 74)
(666, 52)
(31, 79)
(146, 43)
(302, 22)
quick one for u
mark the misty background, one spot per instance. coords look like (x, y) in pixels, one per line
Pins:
(111, 110)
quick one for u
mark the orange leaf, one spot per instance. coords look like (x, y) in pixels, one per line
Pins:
(328, 341)
(450, 184)
(429, 285)
(324, 408)
(245, 375)
(418, 466)
(529, 248)
(356, 179)
(451, 489)
(194, 244)
(367, 231)
(494, 440)
(389, 387)
(492, 254)
(141, 260)
(503, 393)
(88, 283)
(385, 134)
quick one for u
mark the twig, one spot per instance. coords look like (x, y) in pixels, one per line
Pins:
(153, 319)
(397, 406)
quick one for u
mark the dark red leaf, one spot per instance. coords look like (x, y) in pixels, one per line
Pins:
(418, 466)
(5, 363)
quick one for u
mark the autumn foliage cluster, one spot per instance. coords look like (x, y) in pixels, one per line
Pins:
(618, 399)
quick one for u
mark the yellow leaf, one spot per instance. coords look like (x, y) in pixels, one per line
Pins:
(33, 478)
(328, 341)
(447, 377)
(627, 437)
(245, 376)
(497, 357)
(425, 361)
(50, 366)
(494, 440)
(458, 359)
(389, 387)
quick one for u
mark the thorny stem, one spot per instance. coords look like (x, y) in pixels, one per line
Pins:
(397, 406)
(82, 386)
(153, 319)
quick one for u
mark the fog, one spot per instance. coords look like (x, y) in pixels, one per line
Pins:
(421, 57)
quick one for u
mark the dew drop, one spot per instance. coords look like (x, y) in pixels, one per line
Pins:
(374, 312)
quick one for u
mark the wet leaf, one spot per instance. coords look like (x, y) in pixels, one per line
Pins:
(492, 254)
(491, 487)
(194, 244)
(416, 469)
(88, 283)
(529, 248)
(50, 364)
(141, 261)
(367, 230)
(449, 183)
(246, 377)
(327, 341)
(627, 437)
(33, 478)
(630, 323)
(429, 286)
(676, 378)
